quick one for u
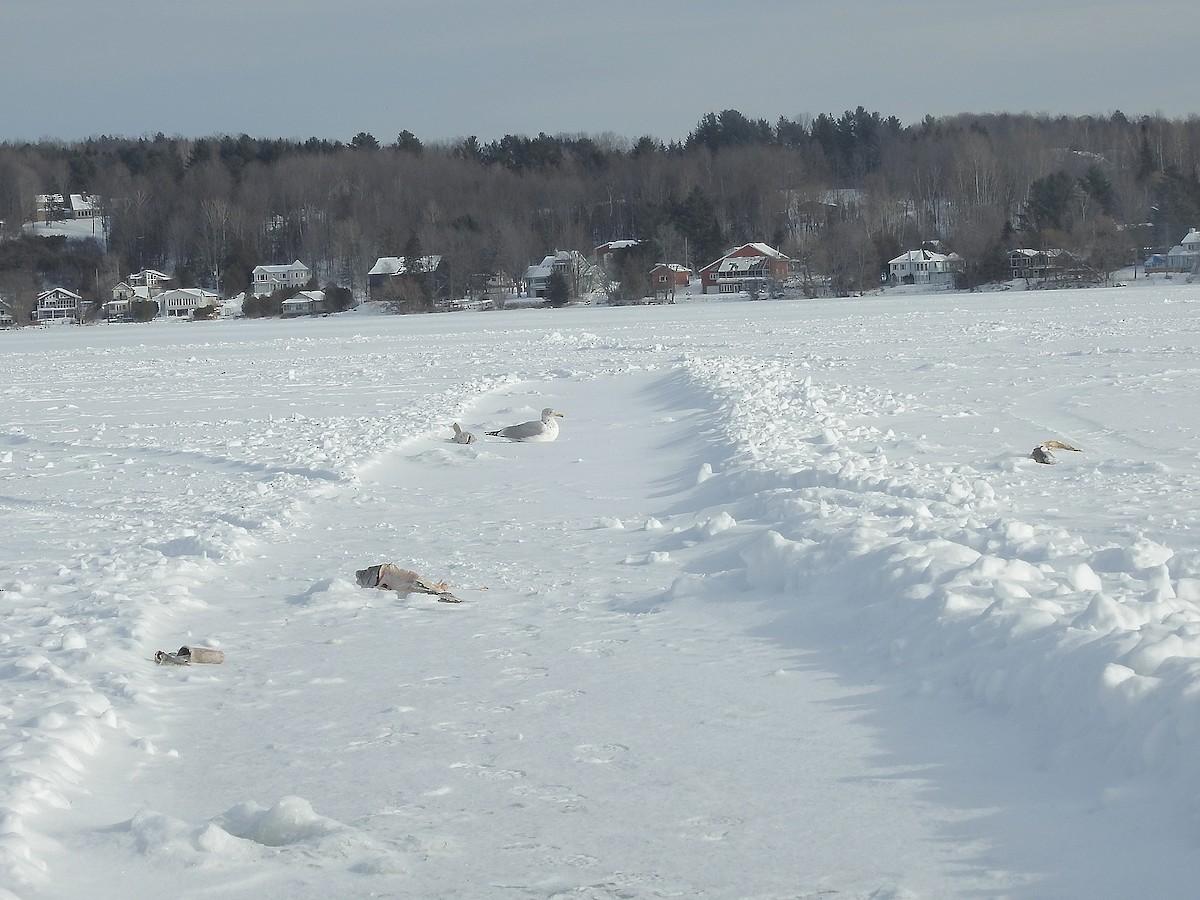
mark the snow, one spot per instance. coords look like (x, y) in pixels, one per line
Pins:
(785, 611)
(92, 228)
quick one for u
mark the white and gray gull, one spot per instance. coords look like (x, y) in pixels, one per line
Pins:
(543, 429)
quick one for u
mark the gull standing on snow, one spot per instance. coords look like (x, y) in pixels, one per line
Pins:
(544, 429)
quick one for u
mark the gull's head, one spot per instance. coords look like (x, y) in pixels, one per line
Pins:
(548, 414)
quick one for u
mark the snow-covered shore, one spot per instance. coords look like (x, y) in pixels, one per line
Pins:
(786, 610)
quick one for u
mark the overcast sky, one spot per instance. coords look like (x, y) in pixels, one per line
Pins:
(445, 69)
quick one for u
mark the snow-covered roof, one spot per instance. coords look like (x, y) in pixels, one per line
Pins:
(303, 299)
(539, 270)
(759, 249)
(197, 293)
(765, 250)
(82, 203)
(59, 292)
(280, 270)
(396, 265)
(1025, 251)
(913, 256)
(737, 264)
(546, 267)
(617, 245)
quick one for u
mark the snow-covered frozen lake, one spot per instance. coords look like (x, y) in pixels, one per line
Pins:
(785, 612)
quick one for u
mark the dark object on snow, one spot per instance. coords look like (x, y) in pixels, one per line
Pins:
(390, 577)
(1041, 453)
(185, 656)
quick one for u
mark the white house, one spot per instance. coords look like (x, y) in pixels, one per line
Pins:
(124, 291)
(268, 279)
(148, 278)
(924, 267)
(124, 295)
(537, 276)
(57, 305)
(147, 284)
(1185, 256)
(182, 303)
(305, 303)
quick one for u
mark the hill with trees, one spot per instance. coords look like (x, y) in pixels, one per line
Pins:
(841, 194)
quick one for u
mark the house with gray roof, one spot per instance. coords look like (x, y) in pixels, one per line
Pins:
(268, 279)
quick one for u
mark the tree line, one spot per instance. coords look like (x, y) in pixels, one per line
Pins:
(840, 194)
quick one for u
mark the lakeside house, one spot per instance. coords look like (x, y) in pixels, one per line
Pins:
(268, 279)
(924, 267)
(388, 267)
(751, 267)
(1185, 256)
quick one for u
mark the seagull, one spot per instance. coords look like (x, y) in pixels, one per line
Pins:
(462, 437)
(1041, 453)
(545, 429)
(390, 577)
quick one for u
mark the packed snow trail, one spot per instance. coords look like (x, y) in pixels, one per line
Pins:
(598, 718)
(532, 738)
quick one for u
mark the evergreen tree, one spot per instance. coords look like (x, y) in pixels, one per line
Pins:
(408, 142)
(1096, 185)
(1048, 207)
(414, 254)
(338, 299)
(696, 220)
(558, 289)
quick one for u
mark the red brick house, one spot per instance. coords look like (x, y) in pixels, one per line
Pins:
(745, 268)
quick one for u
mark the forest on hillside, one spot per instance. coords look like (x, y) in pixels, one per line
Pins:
(840, 194)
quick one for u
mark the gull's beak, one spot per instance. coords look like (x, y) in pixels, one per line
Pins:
(560, 415)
